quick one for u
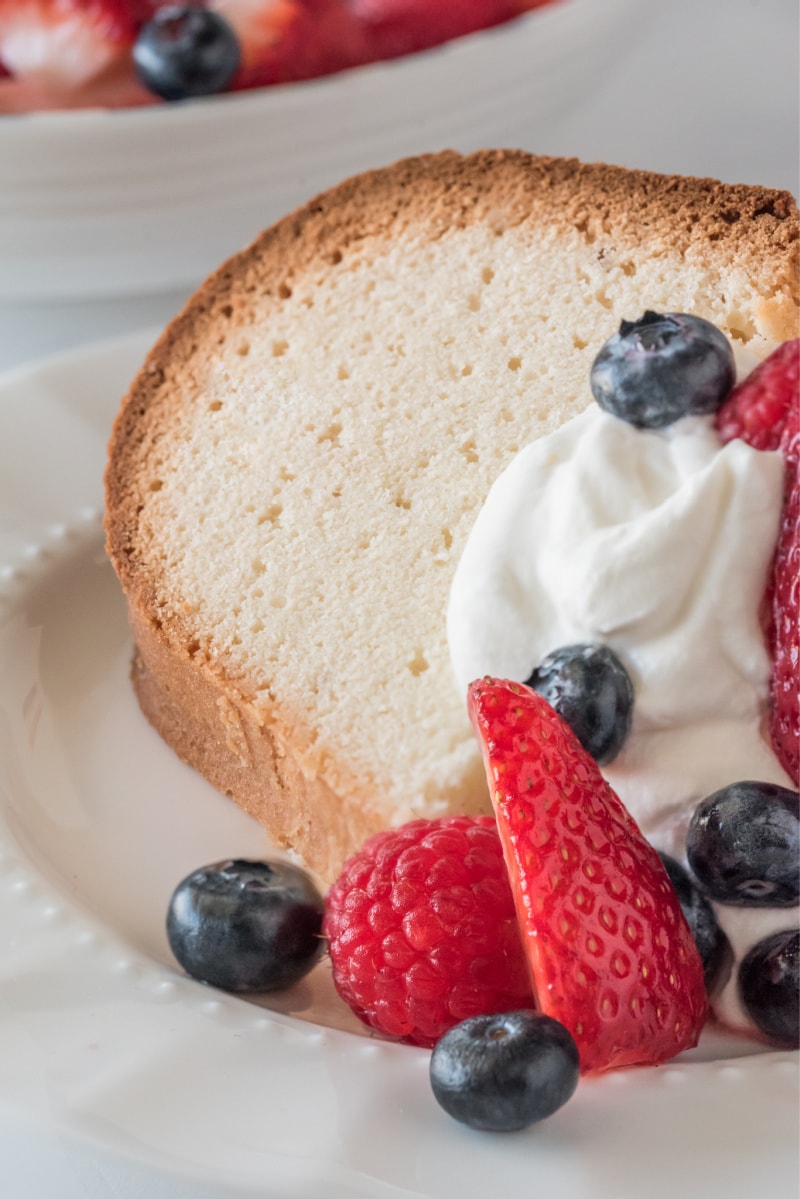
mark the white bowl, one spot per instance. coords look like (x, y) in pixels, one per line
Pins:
(100, 203)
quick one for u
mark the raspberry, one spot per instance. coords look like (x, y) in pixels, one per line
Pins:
(422, 930)
(758, 408)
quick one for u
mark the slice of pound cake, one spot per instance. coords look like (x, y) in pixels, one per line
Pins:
(294, 472)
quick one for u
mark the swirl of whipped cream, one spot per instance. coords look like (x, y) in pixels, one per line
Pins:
(658, 544)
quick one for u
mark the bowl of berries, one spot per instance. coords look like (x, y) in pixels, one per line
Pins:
(143, 142)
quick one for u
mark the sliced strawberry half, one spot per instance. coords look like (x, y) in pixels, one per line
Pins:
(609, 951)
(60, 45)
(784, 715)
(764, 411)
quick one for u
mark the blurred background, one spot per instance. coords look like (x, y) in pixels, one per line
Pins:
(109, 220)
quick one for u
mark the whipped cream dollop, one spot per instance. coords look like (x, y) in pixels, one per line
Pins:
(658, 544)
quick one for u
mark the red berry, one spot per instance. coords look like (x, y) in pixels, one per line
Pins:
(284, 41)
(341, 40)
(396, 27)
(609, 951)
(276, 38)
(757, 409)
(763, 411)
(784, 717)
(422, 931)
(61, 45)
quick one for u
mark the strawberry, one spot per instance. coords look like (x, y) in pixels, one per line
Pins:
(396, 27)
(58, 46)
(758, 407)
(784, 716)
(342, 40)
(763, 411)
(288, 40)
(275, 38)
(609, 951)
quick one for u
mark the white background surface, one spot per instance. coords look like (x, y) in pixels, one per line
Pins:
(713, 90)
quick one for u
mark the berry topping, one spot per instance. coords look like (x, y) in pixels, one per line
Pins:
(764, 410)
(59, 45)
(743, 845)
(246, 926)
(610, 953)
(784, 635)
(769, 985)
(663, 367)
(712, 944)
(503, 1072)
(186, 51)
(422, 930)
(281, 41)
(589, 688)
(758, 407)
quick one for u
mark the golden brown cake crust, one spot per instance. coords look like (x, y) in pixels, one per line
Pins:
(211, 728)
(194, 706)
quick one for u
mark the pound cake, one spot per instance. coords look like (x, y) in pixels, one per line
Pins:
(295, 470)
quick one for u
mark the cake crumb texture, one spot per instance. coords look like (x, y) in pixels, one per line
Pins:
(296, 467)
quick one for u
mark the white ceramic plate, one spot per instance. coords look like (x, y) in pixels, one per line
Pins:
(120, 203)
(102, 1038)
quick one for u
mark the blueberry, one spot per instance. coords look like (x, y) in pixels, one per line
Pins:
(662, 367)
(743, 845)
(503, 1072)
(186, 51)
(246, 926)
(591, 690)
(769, 986)
(712, 944)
